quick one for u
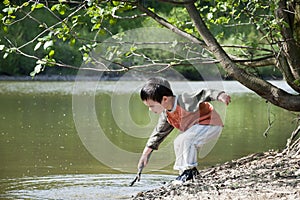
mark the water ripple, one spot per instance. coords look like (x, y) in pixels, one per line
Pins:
(103, 186)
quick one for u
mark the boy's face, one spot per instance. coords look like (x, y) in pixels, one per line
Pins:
(154, 106)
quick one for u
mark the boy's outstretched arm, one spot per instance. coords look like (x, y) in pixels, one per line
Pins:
(225, 98)
(142, 163)
(145, 157)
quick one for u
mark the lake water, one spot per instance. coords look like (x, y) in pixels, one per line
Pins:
(67, 140)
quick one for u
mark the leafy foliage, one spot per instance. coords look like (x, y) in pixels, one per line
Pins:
(74, 28)
(247, 29)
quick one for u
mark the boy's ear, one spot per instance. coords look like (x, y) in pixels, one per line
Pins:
(164, 99)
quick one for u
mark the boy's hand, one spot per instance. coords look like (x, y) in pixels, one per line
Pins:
(143, 161)
(225, 98)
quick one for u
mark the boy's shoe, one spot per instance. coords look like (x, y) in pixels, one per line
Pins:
(188, 174)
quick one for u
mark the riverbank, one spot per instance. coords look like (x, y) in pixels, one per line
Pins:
(136, 76)
(258, 176)
(58, 78)
(98, 76)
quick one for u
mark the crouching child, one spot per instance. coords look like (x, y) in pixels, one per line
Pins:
(192, 114)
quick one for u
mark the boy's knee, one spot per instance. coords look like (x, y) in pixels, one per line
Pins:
(176, 142)
(179, 140)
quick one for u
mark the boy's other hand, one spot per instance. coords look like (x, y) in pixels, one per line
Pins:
(225, 98)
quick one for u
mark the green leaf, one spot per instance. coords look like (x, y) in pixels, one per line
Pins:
(37, 6)
(5, 10)
(25, 4)
(62, 9)
(9, 10)
(90, 2)
(5, 55)
(133, 48)
(6, 2)
(54, 7)
(50, 61)
(37, 46)
(112, 21)
(2, 47)
(128, 53)
(37, 69)
(5, 29)
(72, 41)
(51, 53)
(210, 16)
(48, 44)
(85, 57)
(297, 82)
(96, 26)
(102, 32)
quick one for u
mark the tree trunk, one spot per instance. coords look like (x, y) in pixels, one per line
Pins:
(291, 49)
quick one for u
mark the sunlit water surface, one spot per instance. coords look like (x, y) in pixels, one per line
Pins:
(72, 187)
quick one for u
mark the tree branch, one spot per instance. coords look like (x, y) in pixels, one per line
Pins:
(246, 62)
(183, 2)
(126, 17)
(270, 122)
(49, 28)
(263, 88)
(168, 25)
(254, 63)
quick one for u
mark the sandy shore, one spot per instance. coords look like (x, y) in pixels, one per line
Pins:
(266, 175)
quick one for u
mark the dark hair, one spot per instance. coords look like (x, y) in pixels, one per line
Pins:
(155, 89)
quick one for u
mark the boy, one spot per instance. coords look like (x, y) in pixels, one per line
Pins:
(197, 120)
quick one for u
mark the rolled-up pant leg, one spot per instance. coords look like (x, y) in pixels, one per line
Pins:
(186, 145)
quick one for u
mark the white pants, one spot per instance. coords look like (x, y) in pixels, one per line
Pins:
(186, 145)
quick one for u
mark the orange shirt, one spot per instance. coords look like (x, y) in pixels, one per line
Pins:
(182, 119)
